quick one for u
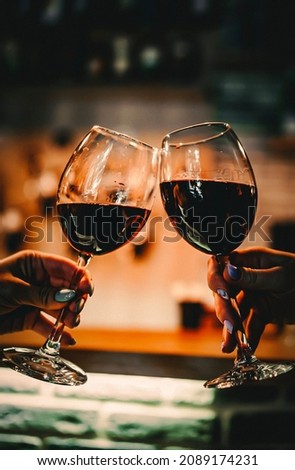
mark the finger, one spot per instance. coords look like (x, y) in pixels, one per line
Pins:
(245, 302)
(75, 308)
(43, 297)
(260, 258)
(214, 276)
(62, 271)
(227, 315)
(69, 319)
(37, 268)
(255, 328)
(215, 279)
(217, 282)
(43, 326)
(223, 309)
(271, 279)
(229, 342)
(15, 320)
(70, 313)
(28, 318)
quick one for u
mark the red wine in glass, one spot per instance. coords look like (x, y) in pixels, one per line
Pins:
(99, 229)
(212, 216)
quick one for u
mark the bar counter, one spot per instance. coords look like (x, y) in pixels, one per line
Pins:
(203, 342)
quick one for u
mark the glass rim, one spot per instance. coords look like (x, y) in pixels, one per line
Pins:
(224, 125)
(118, 134)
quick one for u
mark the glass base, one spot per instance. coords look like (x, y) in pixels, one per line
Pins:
(53, 369)
(249, 372)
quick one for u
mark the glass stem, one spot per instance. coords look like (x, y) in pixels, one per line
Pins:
(52, 345)
(244, 351)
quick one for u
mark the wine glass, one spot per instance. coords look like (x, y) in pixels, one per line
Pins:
(104, 198)
(209, 192)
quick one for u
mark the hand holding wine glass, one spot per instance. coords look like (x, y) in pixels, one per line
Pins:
(104, 198)
(209, 192)
(264, 280)
(33, 283)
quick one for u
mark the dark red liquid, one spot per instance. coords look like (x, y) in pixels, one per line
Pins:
(213, 216)
(97, 229)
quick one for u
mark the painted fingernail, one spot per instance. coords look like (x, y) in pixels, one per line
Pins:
(222, 293)
(64, 295)
(91, 289)
(72, 342)
(234, 272)
(228, 325)
(77, 322)
(79, 305)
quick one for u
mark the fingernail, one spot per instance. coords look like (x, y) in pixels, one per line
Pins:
(234, 272)
(91, 289)
(64, 295)
(72, 342)
(77, 322)
(79, 305)
(228, 325)
(222, 346)
(222, 293)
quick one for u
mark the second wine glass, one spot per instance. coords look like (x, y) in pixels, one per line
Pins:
(104, 198)
(209, 192)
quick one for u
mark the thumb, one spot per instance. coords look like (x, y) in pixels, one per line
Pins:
(271, 279)
(47, 298)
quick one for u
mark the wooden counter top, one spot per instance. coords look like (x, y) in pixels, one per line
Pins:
(204, 342)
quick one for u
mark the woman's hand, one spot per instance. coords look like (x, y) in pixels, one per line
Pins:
(263, 281)
(33, 282)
